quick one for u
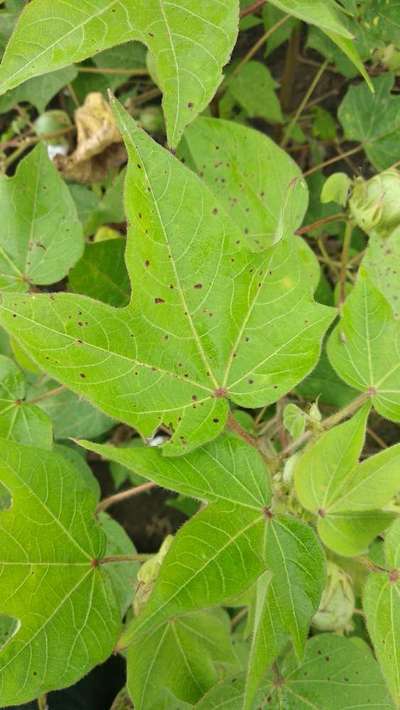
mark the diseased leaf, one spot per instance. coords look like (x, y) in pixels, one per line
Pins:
(373, 120)
(102, 274)
(190, 42)
(258, 184)
(50, 582)
(382, 264)
(381, 603)
(41, 237)
(336, 673)
(196, 642)
(364, 348)
(347, 495)
(19, 420)
(201, 328)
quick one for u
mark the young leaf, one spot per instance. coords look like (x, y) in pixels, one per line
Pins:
(19, 420)
(183, 37)
(201, 328)
(345, 494)
(363, 348)
(373, 120)
(253, 88)
(41, 237)
(196, 643)
(67, 610)
(323, 13)
(381, 602)
(259, 185)
(336, 673)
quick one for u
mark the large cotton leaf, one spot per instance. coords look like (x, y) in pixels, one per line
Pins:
(373, 120)
(41, 236)
(227, 470)
(259, 184)
(19, 420)
(196, 642)
(67, 609)
(336, 674)
(190, 41)
(346, 495)
(381, 602)
(382, 264)
(364, 348)
(209, 321)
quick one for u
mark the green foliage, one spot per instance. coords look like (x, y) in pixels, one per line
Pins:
(177, 35)
(172, 312)
(49, 545)
(41, 237)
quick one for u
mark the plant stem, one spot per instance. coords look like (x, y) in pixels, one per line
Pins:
(303, 104)
(125, 495)
(252, 8)
(113, 559)
(254, 49)
(234, 426)
(289, 71)
(46, 395)
(344, 261)
(238, 617)
(109, 70)
(42, 702)
(320, 222)
(333, 160)
(328, 423)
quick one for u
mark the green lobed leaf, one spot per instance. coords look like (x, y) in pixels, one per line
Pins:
(258, 184)
(336, 673)
(364, 348)
(381, 603)
(38, 91)
(196, 642)
(41, 237)
(288, 596)
(347, 495)
(50, 583)
(373, 120)
(227, 470)
(215, 556)
(19, 420)
(382, 264)
(323, 13)
(51, 34)
(201, 328)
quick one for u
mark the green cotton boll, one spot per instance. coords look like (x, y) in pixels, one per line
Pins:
(375, 203)
(152, 119)
(51, 122)
(337, 602)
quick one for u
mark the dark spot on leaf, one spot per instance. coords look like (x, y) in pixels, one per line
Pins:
(198, 286)
(159, 300)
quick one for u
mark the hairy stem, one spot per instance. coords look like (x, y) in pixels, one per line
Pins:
(46, 395)
(113, 559)
(344, 262)
(252, 8)
(254, 49)
(320, 223)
